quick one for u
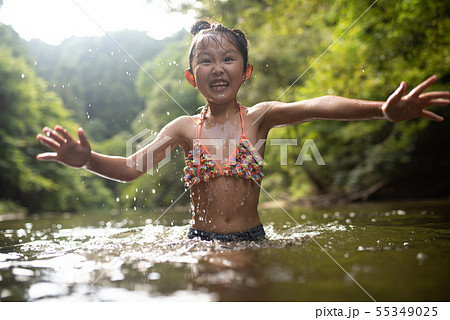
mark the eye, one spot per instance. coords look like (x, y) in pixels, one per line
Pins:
(229, 59)
(205, 61)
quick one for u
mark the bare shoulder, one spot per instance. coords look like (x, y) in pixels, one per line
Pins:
(275, 113)
(183, 128)
(261, 112)
(257, 111)
(265, 108)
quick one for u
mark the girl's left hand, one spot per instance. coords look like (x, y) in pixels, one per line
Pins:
(399, 106)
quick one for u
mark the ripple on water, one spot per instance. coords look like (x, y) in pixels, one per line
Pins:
(72, 259)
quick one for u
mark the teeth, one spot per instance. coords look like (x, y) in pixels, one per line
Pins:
(219, 84)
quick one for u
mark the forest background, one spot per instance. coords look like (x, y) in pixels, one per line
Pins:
(93, 83)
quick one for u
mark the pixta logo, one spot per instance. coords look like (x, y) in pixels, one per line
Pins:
(140, 148)
(143, 156)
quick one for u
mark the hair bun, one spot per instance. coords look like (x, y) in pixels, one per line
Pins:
(199, 26)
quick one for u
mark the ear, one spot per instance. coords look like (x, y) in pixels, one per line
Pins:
(248, 72)
(190, 77)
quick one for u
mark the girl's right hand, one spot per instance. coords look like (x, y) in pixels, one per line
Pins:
(68, 151)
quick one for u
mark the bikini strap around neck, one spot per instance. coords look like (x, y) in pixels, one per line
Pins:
(242, 120)
(202, 119)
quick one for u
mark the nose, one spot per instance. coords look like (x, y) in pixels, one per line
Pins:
(217, 69)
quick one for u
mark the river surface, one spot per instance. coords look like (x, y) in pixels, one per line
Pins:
(361, 252)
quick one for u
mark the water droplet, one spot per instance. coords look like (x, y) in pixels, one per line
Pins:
(117, 199)
(22, 76)
(153, 191)
(154, 276)
(421, 257)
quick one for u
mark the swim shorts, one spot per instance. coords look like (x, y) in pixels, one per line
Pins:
(254, 234)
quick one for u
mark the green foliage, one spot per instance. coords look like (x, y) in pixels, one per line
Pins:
(393, 41)
(26, 106)
(167, 95)
(95, 77)
(114, 99)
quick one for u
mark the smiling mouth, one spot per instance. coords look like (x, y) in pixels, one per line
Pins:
(219, 85)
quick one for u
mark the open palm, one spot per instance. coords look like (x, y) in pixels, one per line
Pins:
(399, 106)
(68, 151)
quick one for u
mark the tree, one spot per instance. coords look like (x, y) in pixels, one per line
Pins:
(26, 105)
(392, 41)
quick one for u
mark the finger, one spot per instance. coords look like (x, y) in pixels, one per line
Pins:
(398, 94)
(52, 144)
(423, 86)
(82, 137)
(432, 116)
(63, 132)
(434, 95)
(437, 102)
(53, 135)
(47, 156)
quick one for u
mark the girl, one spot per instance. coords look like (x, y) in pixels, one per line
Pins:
(225, 189)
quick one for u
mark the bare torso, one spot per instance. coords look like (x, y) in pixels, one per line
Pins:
(225, 204)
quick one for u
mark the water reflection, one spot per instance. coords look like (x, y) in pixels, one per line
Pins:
(112, 261)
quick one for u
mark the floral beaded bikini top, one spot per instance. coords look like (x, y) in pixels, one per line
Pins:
(244, 162)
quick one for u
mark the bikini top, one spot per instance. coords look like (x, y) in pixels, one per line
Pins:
(244, 162)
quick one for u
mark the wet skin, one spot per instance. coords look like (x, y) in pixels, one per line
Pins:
(224, 204)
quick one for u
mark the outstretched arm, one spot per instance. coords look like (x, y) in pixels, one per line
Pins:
(78, 154)
(398, 107)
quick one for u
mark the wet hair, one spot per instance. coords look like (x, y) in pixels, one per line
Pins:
(234, 36)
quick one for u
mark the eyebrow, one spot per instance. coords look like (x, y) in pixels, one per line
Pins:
(229, 51)
(205, 52)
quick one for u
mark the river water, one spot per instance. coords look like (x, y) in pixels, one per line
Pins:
(360, 252)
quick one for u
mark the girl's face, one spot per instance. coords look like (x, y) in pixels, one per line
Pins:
(217, 69)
